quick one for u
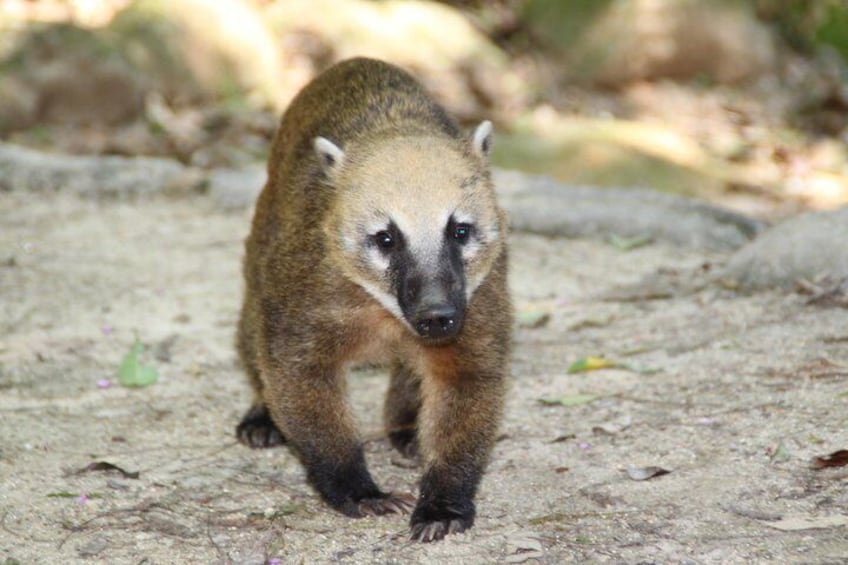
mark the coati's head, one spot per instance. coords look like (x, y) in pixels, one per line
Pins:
(415, 223)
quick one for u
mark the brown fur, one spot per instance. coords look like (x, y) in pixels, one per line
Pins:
(304, 320)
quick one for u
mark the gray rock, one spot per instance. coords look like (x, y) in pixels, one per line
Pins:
(236, 188)
(535, 204)
(92, 176)
(541, 205)
(810, 246)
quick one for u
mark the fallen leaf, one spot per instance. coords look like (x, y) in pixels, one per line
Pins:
(591, 364)
(794, 523)
(610, 428)
(562, 438)
(835, 459)
(640, 370)
(132, 373)
(777, 453)
(532, 318)
(523, 546)
(106, 466)
(627, 243)
(573, 400)
(62, 494)
(595, 363)
(592, 323)
(645, 473)
(75, 495)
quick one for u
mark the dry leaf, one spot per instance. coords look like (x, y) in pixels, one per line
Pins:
(532, 318)
(108, 467)
(523, 546)
(645, 473)
(573, 400)
(835, 459)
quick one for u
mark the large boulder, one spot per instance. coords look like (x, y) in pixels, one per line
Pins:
(538, 204)
(812, 247)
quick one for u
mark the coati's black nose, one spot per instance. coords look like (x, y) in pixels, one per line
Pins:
(438, 322)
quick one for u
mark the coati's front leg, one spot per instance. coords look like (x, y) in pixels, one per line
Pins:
(308, 404)
(461, 410)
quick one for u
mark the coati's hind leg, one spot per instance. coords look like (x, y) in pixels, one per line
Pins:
(400, 411)
(258, 430)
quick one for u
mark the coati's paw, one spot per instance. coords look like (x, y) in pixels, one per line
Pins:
(257, 430)
(389, 504)
(405, 441)
(433, 521)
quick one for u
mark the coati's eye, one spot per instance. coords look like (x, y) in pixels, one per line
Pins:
(384, 239)
(461, 232)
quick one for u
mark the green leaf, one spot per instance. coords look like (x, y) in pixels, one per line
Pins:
(132, 373)
(591, 364)
(627, 243)
(62, 494)
(594, 363)
(640, 370)
(573, 400)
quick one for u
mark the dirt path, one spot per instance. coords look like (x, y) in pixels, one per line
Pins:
(746, 391)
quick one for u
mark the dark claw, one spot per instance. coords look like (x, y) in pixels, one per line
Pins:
(390, 504)
(434, 531)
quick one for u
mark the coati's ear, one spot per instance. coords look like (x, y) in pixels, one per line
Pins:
(329, 154)
(481, 141)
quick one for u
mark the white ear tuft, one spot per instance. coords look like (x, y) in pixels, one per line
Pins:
(329, 154)
(481, 141)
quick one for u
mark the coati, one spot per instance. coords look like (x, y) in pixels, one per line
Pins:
(378, 238)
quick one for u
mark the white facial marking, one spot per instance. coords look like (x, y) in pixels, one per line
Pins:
(388, 301)
(377, 259)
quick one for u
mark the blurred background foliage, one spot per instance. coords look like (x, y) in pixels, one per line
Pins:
(742, 102)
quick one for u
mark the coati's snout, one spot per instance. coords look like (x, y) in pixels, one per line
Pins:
(433, 306)
(427, 277)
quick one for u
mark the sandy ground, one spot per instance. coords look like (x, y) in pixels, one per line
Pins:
(746, 390)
